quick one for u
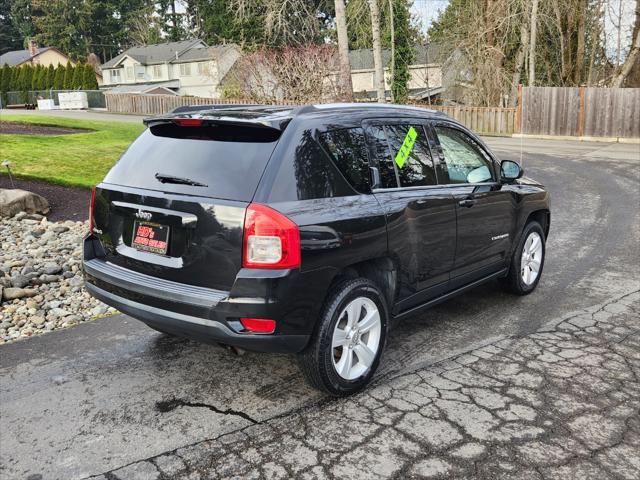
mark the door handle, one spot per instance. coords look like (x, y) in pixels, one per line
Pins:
(467, 202)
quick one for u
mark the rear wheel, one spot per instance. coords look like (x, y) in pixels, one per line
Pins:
(346, 349)
(527, 262)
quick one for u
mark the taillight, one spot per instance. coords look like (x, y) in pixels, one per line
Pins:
(188, 122)
(271, 240)
(258, 325)
(91, 203)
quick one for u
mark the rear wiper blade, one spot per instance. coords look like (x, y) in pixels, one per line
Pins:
(162, 178)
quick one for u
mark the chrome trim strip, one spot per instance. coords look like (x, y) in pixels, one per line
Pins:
(188, 219)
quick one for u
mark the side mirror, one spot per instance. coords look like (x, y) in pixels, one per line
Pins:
(510, 170)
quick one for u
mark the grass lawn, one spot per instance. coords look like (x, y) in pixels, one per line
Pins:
(79, 159)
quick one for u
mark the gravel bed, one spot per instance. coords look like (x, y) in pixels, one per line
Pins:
(41, 283)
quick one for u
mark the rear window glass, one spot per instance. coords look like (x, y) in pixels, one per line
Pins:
(227, 161)
(348, 150)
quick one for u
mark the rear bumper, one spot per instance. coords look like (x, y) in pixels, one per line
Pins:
(290, 297)
(204, 330)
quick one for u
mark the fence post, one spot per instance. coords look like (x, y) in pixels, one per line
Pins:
(518, 128)
(581, 113)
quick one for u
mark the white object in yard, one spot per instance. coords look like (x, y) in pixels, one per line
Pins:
(46, 104)
(73, 100)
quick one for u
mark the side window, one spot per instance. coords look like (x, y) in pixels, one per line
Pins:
(381, 151)
(411, 155)
(348, 151)
(465, 160)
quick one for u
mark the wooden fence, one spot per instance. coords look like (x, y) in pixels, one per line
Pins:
(580, 112)
(141, 104)
(483, 120)
(557, 111)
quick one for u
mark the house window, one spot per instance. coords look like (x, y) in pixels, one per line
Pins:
(129, 73)
(202, 68)
(157, 71)
(185, 69)
(115, 76)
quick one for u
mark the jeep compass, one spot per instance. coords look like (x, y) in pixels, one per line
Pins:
(308, 229)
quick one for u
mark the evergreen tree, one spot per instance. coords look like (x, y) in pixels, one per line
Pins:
(10, 38)
(5, 78)
(68, 77)
(42, 79)
(51, 75)
(78, 76)
(58, 78)
(35, 77)
(25, 86)
(89, 81)
(13, 79)
(402, 52)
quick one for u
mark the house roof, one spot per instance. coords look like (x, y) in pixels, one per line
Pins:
(16, 57)
(143, 87)
(171, 52)
(214, 52)
(362, 59)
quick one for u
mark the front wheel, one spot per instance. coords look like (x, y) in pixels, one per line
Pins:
(527, 261)
(345, 351)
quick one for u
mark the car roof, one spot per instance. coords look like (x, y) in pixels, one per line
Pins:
(292, 111)
(279, 116)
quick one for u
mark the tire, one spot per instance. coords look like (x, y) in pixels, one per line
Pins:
(517, 280)
(327, 367)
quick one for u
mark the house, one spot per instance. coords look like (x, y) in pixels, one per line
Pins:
(44, 56)
(425, 72)
(189, 67)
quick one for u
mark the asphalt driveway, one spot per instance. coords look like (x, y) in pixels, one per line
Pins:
(111, 393)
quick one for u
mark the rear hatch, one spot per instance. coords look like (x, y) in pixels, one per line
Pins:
(173, 206)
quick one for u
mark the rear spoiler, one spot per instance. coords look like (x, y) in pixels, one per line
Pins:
(270, 122)
(214, 106)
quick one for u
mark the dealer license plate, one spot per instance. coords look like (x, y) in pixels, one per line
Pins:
(150, 237)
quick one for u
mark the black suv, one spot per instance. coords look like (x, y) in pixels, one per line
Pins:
(308, 229)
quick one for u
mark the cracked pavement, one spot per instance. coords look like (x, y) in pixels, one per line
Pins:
(560, 403)
(473, 387)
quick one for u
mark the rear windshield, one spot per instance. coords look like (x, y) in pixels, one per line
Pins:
(227, 161)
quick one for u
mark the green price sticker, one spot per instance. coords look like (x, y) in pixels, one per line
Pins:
(407, 146)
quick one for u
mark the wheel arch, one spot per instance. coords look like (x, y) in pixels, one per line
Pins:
(381, 270)
(543, 217)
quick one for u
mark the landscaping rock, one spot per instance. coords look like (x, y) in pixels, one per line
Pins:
(46, 279)
(52, 268)
(13, 293)
(48, 301)
(14, 201)
(19, 281)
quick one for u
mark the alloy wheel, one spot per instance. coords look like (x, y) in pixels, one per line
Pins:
(531, 260)
(356, 338)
